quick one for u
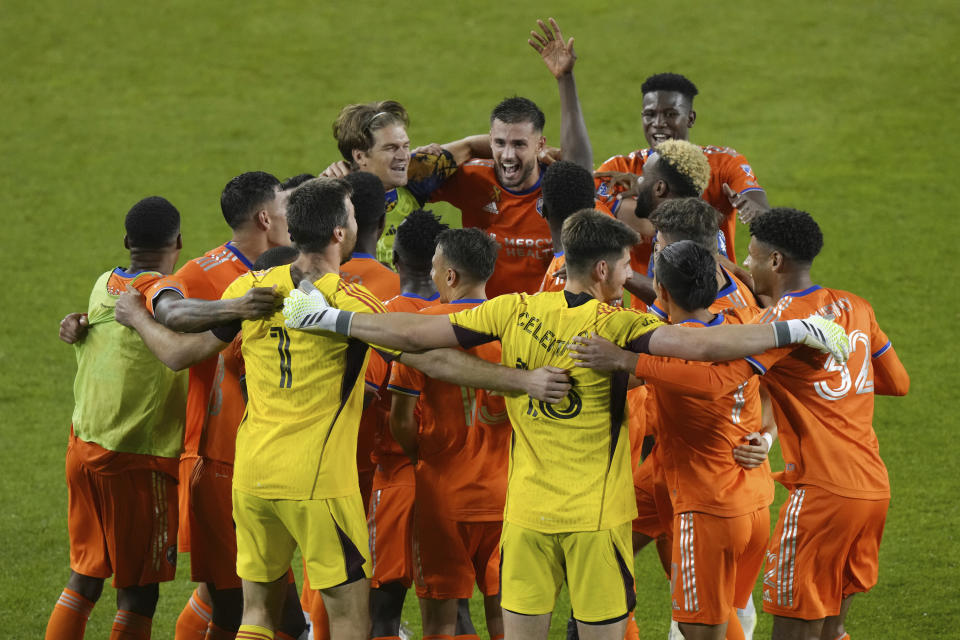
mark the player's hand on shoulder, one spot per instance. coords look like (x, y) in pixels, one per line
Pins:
(130, 308)
(752, 454)
(259, 302)
(549, 155)
(627, 183)
(432, 149)
(599, 353)
(747, 210)
(557, 54)
(74, 327)
(821, 334)
(307, 309)
(338, 169)
(549, 384)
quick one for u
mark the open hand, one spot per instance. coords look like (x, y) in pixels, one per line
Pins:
(558, 57)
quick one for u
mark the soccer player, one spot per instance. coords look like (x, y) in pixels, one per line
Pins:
(295, 477)
(569, 501)
(125, 441)
(567, 188)
(667, 114)
(461, 442)
(501, 196)
(363, 267)
(390, 514)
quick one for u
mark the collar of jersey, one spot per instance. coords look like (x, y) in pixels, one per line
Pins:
(123, 273)
(730, 288)
(576, 299)
(358, 254)
(467, 300)
(527, 191)
(800, 294)
(558, 255)
(413, 295)
(717, 320)
(242, 258)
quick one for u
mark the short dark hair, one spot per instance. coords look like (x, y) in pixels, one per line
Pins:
(314, 210)
(517, 110)
(152, 223)
(688, 219)
(274, 257)
(670, 82)
(790, 231)
(246, 193)
(369, 199)
(295, 181)
(470, 251)
(689, 273)
(589, 236)
(416, 240)
(354, 127)
(567, 188)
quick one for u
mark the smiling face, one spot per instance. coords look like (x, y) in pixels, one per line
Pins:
(389, 156)
(516, 149)
(666, 115)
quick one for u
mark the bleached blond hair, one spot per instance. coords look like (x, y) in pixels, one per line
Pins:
(688, 160)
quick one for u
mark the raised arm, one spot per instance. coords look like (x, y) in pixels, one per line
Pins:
(193, 315)
(560, 58)
(549, 384)
(176, 350)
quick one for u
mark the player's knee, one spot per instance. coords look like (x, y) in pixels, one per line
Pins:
(87, 586)
(141, 600)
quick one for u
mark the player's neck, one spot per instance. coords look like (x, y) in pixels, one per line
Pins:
(678, 315)
(418, 284)
(792, 281)
(469, 291)
(250, 242)
(366, 244)
(577, 286)
(313, 266)
(144, 260)
(555, 236)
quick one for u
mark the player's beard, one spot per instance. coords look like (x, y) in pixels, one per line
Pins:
(644, 203)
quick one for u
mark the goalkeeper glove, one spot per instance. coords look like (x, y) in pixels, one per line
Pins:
(817, 332)
(306, 309)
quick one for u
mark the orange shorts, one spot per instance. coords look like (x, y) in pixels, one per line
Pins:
(450, 556)
(212, 536)
(390, 523)
(654, 509)
(122, 524)
(715, 563)
(187, 462)
(825, 547)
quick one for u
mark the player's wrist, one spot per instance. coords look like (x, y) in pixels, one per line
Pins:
(768, 437)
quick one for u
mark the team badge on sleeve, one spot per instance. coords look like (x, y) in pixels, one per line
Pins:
(747, 169)
(540, 206)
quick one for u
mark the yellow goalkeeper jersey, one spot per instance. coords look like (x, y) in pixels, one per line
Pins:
(298, 437)
(569, 462)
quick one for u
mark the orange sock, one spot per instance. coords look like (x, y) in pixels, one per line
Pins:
(69, 618)
(387, 638)
(280, 635)
(734, 630)
(319, 621)
(437, 637)
(216, 633)
(130, 626)
(466, 636)
(845, 636)
(499, 636)
(194, 619)
(253, 632)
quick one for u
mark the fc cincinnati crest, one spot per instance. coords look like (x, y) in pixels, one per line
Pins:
(604, 189)
(747, 169)
(540, 206)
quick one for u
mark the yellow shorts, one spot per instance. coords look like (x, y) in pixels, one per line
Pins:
(598, 567)
(331, 534)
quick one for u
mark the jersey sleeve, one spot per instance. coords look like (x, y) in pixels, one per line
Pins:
(889, 375)
(378, 371)
(485, 322)
(738, 173)
(427, 172)
(697, 379)
(629, 328)
(357, 298)
(606, 194)
(406, 380)
(151, 286)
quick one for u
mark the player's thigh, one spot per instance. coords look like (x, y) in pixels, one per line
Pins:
(443, 568)
(88, 543)
(531, 570)
(750, 560)
(332, 536)
(704, 565)
(264, 543)
(862, 567)
(390, 527)
(599, 568)
(139, 513)
(484, 544)
(212, 536)
(648, 521)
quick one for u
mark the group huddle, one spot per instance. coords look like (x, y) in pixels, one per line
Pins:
(518, 404)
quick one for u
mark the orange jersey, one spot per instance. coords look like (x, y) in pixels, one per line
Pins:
(513, 218)
(733, 294)
(387, 454)
(215, 404)
(824, 410)
(363, 268)
(697, 441)
(726, 166)
(550, 282)
(464, 438)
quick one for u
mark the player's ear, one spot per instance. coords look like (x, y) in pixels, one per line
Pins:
(262, 219)
(339, 234)
(179, 242)
(126, 242)
(452, 277)
(661, 189)
(691, 119)
(776, 261)
(600, 270)
(358, 155)
(662, 292)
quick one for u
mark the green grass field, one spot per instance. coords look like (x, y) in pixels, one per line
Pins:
(844, 109)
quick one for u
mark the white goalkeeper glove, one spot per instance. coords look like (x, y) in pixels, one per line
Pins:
(817, 332)
(306, 309)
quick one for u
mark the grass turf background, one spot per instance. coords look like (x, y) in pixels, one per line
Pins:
(844, 109)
